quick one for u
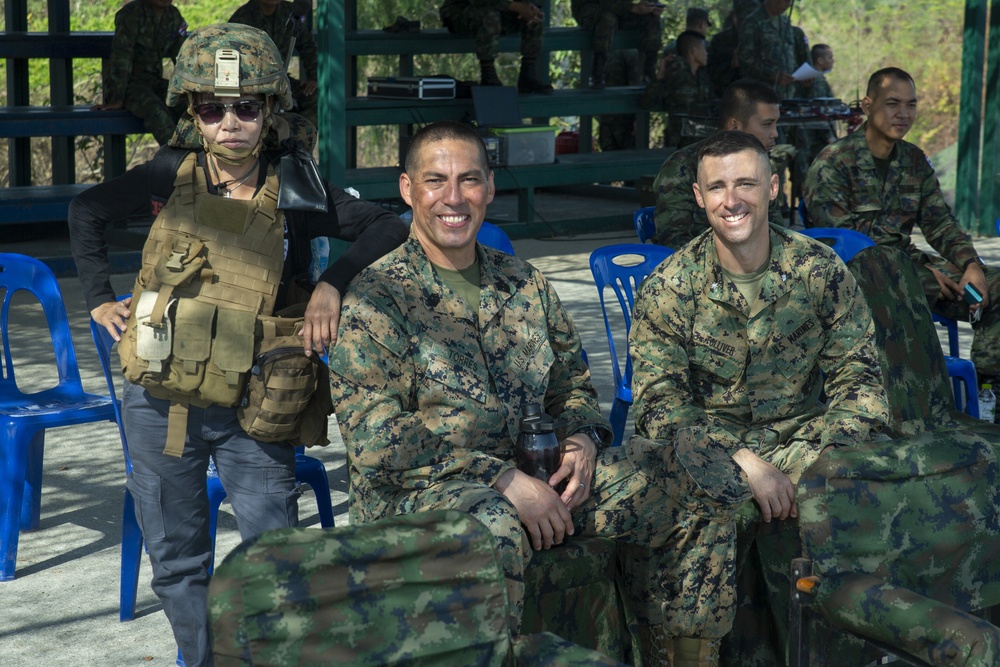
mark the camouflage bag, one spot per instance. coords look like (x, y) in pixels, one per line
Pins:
(904, 535)
(281, 402)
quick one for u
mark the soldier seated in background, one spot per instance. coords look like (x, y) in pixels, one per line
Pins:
(146, 32)
(747, 105)
(732, 338)
(604, 17)
(681, 86)
(486, 21)
(285, 23)
(875, 183)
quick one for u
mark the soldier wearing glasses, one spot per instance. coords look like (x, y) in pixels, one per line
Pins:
(226, 247)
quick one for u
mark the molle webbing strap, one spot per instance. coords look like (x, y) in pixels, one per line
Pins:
(177, 420)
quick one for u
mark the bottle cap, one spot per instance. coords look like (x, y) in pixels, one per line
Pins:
(533, 420)
(987, 385)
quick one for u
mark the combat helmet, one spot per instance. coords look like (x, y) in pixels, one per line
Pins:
(229, 60)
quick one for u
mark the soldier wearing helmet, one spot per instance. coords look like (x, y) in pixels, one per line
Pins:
(222, 278)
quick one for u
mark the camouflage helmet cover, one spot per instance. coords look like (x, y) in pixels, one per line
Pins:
(261, 67)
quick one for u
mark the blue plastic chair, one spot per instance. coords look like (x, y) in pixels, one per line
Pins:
(494, 237)
(25, 417)
(308, 469)
(645, 225)
(845, 242)
(614, 266)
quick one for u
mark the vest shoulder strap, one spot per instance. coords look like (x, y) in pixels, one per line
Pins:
(162, 173)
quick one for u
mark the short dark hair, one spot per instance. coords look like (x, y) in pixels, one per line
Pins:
(687, 41)
(730, 142)
(876, 79)
(439, 131)
(817, 49)
(741, 98)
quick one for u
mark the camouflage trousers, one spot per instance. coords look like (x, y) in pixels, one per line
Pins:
(486, 25)
(149, 103)
(677, 565)
(605, 22)
(986, 333)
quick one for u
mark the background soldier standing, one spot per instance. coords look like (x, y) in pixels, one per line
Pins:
(767, 47)
(285, 23)
(146, 32)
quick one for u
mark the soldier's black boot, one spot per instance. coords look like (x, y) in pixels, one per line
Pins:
(597, 81)
(488, 74)
(528, 83)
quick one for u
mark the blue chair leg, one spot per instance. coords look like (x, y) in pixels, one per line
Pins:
(131, 559)
(216, 494)
(963, 371)
(13, 462)
(31, 501)
(312, 471)
(619, 413)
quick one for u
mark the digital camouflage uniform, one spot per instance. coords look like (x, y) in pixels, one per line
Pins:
(616, 131)
(604, 17)
(843, 189)
(677, 214)
(767, 48)
(679, 92)
(705, 364)
(721, 49)
(487, 20)
(134, 74)
(281, 27)
(428, 394)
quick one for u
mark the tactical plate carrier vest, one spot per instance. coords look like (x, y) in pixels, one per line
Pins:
(210, 267)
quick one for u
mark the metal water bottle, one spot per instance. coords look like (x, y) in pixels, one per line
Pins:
(538, 451)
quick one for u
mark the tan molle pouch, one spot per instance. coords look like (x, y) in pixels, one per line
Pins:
(276, 406)
(192, 345)
(232, 355)
(146, 348)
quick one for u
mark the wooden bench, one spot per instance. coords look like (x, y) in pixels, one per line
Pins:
(20, 122)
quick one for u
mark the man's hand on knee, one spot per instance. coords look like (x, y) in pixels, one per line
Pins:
(950, 290)
(539, 507)
(772, 489)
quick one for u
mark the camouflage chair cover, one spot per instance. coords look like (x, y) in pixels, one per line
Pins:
(572, 591)
(421, 589)
(903, 534)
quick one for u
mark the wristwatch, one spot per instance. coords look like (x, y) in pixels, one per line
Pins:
(592, 433)
(977, 259)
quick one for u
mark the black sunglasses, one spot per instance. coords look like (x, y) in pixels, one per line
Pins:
(212, 112)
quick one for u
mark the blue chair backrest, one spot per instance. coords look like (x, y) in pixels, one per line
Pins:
(645, 225)
(494, 237)
(104, 342)
(616, 266)
(20, 272)
(845, 242)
